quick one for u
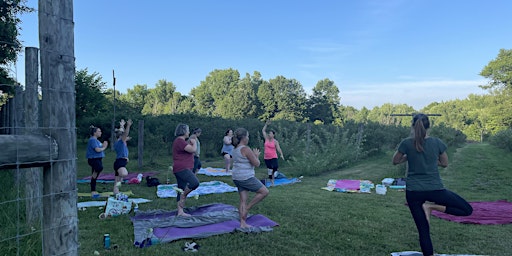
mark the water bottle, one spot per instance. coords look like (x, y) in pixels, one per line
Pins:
(106, 241)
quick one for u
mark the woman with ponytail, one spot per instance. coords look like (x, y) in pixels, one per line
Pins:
(244, 161)
(425, 191)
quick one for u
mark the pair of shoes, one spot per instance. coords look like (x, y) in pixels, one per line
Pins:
(191, 247)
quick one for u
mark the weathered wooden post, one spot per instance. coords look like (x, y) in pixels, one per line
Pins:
(140, 147)
(33, 175)
(17, 123)
(56, 39)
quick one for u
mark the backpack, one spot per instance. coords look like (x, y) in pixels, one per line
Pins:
(152, 182)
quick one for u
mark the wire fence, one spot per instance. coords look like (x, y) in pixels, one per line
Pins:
(38, 192)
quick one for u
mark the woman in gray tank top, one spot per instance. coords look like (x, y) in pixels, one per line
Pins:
(244, 161)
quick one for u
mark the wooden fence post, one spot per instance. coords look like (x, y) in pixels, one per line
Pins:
(56, 39)
(140, 147)
(34, 175)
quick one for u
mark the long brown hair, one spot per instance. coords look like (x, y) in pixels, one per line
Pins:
(420, 124)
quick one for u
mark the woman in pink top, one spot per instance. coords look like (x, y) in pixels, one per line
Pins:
(270, 153)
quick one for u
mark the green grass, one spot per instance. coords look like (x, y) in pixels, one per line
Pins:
(313, 221)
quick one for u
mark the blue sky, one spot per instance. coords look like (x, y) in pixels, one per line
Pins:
(410, 52)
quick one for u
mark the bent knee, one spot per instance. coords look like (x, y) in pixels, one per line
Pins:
(263, 191)
(193, 185)
(122, 171)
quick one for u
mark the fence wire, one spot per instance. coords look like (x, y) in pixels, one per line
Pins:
(24, 199)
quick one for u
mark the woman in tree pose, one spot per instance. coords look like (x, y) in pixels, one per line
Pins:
(425, 191)
(270, 153)
(95, 154)
(244, 161)
(121, 148)
(227, 149)
(183, 163)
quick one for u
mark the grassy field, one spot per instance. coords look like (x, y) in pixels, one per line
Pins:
(313, 221)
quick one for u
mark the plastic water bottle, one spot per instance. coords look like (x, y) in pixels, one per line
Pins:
(106, 241)
(139, 177)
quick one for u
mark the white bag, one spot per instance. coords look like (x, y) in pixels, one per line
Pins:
(117, 207)
(380, 189)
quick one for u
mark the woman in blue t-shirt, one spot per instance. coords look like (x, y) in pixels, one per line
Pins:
(121, 148)
(424, 189)
(95, 154)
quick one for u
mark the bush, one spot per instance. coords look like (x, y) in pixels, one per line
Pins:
(502, 139)
(310, 149)
(450, 136)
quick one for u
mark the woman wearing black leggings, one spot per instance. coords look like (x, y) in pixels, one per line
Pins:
(425, 191)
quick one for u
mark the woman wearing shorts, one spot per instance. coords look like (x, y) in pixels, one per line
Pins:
(183, 162)
(227, 149)
(244, 161)
(121, 148)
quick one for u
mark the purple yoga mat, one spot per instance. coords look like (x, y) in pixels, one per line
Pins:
(206, 220)
(175, 233)
(484, 213)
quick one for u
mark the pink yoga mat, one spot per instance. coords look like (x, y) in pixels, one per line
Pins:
(348, 184)
(484, 213)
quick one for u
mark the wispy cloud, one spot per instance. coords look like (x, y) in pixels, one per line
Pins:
(417, 94)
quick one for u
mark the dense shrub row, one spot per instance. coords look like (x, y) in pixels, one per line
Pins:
(311, 148)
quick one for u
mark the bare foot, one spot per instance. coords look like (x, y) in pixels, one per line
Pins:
(427, 208)
(245, 225)
(183, 214)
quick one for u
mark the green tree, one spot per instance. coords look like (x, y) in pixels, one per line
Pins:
(91, 100)
(282, 98)
(163, 99)
(187, 105)
(218, 94)
(324, 103)
(499, 71)
(136, 97)
(383, 114)
(244, 99)
(10, 45)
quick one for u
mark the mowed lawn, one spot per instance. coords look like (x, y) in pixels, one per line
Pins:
(313, 221)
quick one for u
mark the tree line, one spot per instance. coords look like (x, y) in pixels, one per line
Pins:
(225, 94)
